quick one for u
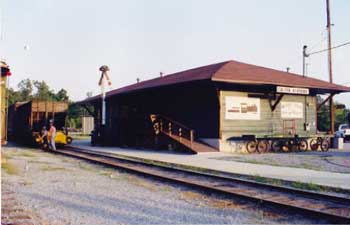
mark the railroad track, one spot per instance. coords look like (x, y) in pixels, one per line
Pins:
(334, 209)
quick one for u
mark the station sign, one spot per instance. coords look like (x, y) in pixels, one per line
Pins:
(291, 90)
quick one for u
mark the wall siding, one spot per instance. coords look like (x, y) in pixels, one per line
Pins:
(270, 123)
(128, 116)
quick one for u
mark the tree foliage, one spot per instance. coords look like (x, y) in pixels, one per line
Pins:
(25, 89)
(43, 91)
(33, 89)
(14, 96)
(341, 116)
(62, 95)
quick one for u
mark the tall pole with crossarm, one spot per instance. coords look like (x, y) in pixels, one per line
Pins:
(330, 72)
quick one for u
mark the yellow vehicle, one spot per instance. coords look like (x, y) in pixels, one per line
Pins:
(61, 139)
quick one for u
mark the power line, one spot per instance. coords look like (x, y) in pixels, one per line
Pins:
(324, 50)
(323, 38)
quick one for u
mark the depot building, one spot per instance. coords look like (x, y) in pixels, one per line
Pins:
(211, 107)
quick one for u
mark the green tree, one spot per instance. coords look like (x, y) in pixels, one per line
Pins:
(25, 89)
(43, 91)
(323, 121)
(14, 96)
(341, 115)
(62, 95)
(74, 115)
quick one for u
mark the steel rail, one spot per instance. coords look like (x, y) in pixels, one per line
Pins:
(335, 209)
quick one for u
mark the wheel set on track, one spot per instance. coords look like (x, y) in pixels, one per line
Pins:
(287, 145)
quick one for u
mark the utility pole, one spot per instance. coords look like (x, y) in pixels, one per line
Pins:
(330, 72)
(304, 56)
(306, 124)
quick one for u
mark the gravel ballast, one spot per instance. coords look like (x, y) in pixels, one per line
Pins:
(62, 190)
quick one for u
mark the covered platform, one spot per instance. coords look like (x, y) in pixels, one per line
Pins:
(210, 162)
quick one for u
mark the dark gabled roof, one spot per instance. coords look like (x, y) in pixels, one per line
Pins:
(231, 72)
(200, 73)
(242, 73)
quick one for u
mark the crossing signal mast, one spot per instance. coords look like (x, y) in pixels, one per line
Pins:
(103, 82)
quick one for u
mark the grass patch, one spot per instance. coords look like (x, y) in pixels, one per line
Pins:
(106, 173)
(165, 189)
(38, 162)
(299, 185)
(190, 195)
(86, 166)
(51, 168)
(132, 179)
(307, 166)
(307, 186)
(142, 183)
(6, 156)
(25, 154)
(9, 168)
(66, 160)
(266, 180)
(16, 153)
(253, 161)
(215, 202)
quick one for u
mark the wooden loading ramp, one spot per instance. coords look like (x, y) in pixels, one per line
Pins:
(179, 133)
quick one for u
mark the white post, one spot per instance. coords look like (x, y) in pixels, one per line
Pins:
(104, 81)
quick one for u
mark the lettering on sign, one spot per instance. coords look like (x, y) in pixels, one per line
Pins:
(242, 108)
(290, 90)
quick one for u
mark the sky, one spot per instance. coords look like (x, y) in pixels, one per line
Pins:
(64, 42)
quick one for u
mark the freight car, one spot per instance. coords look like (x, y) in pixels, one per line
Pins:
(5, 73)
(26, 120)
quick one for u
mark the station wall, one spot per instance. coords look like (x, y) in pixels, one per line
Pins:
(195, 106)
(240, 115)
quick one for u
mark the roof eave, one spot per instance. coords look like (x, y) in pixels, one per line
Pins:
(343, 89)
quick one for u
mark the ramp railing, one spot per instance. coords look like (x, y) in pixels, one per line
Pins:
(173, 129)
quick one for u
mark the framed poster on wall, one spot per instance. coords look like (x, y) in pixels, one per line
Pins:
(292, 110)
(242, 108)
